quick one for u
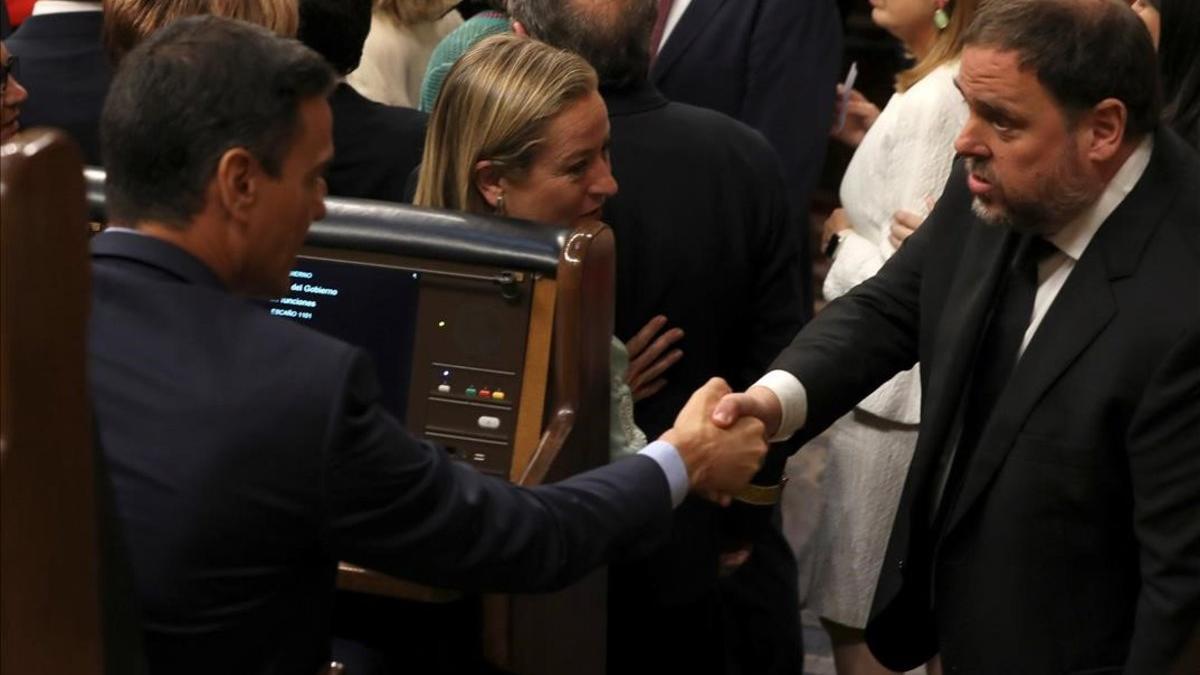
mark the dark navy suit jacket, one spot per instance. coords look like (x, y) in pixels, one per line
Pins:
(249, 454)
(67, 74)
(772, 64)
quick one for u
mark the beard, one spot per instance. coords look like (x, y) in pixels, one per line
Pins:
(1056, 200)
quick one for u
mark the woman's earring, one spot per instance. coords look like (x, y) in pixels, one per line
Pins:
(941, 19)
(500, 204)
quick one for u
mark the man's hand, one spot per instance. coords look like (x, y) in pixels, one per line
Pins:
(758, 402)
(729, 562)
(720, 462)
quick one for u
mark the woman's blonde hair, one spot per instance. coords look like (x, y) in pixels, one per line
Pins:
(128, 22)
(412, 12)
(495, 105)
(946, 47)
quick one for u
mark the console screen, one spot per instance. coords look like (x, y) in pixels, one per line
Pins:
(370, 306)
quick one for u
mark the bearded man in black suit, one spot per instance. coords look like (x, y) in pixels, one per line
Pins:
(1048, 523)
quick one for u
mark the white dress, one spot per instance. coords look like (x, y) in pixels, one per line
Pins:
(394, 58)
(902, 163)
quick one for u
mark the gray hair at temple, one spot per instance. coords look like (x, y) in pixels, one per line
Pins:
(612, 35)
(1082, 51)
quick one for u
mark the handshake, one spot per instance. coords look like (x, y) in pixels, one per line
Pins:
(722, 437)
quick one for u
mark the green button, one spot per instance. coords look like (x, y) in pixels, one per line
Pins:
(470, 392)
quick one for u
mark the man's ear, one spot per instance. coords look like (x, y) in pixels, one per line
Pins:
(519, 29)
(489, 182)
(238, 182)
(1107, 123)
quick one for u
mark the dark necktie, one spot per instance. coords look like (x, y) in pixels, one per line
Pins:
(660, 26)
(996, 358)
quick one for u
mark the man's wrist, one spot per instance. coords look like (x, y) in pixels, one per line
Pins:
(690, 456)
(670, 460)
(769, 406)
(792, 398)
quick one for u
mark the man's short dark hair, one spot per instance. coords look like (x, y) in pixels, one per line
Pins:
(612, 36)
(1082, 51)
(336, 29)
(194, 90)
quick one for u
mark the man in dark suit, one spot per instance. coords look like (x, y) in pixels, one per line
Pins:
(64, 67)
(701, 220)
(376, 146)
(772, 64)
(249, 454)
(1048, 524)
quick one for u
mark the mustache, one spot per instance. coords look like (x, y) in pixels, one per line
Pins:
(982, 169)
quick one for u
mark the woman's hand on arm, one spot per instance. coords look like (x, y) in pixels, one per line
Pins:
(905, 223)
(650, 356)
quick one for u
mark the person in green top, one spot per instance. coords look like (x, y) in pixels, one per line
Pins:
(458, 42)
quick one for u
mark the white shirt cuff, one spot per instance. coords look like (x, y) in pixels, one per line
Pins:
(668, 459)
(793, 399)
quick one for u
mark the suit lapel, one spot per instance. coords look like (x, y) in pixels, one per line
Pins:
(1079, 313)
(690, 25)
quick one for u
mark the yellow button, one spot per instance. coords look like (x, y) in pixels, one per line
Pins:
(498, 395)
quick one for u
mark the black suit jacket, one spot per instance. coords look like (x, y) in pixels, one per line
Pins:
(376, 146)
(772, 64)
(66, 72)
(1074, 545)
(701, 223)
(703, 236)
(249, 454)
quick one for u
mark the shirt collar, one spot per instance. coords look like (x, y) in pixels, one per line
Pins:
(43, 7)
(1075, 237)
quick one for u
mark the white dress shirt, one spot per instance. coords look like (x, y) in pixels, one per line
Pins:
(1071, 241)
(673, 17)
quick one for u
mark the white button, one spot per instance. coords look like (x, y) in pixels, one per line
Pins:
(487, 422)
(444, 388)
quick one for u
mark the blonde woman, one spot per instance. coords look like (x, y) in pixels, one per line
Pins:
(403, 35)
(128, 22)
(902, 161)
(520, 130)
